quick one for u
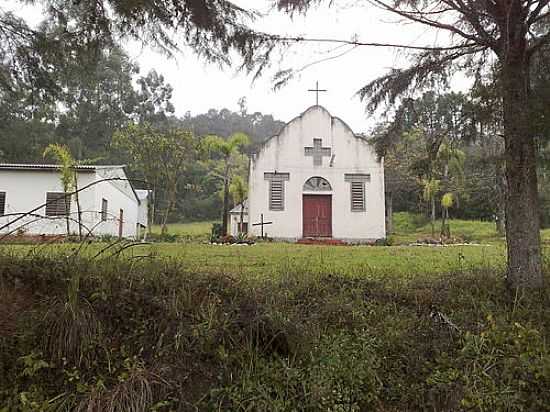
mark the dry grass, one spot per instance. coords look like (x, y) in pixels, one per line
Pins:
(135, 393)
(73, 332)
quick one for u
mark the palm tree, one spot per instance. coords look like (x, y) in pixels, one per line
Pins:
(451, 161)
(68, 170)
(430, 189)
(225, 151)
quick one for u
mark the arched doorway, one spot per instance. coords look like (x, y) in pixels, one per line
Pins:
(317, 208)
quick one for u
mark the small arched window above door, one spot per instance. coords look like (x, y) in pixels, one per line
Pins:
(317, 184)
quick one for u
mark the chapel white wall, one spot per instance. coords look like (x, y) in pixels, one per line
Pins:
(285, 153)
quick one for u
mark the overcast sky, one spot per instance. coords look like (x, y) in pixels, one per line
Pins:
(199, 87)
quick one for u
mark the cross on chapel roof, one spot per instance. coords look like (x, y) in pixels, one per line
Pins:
(317, 90)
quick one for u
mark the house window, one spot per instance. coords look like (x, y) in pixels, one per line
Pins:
(2, 203)
(58, 204)
(104, 206)
(357, 190)
(276, 195)
(276, 190)
(357, 196)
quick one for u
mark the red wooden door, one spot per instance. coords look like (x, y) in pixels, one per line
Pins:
(317, 215)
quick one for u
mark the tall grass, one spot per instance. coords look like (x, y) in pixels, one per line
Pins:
(306, 338)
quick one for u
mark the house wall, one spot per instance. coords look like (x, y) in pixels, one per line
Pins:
(26, 189)
(235, 220)
(285, 153)
(119, 195)
(143, 213)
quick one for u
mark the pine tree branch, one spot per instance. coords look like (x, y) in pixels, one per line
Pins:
(433, 23)
(538, 43)
(536, 15)
(300, 39)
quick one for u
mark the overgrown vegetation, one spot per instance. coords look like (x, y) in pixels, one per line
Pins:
(158, 334)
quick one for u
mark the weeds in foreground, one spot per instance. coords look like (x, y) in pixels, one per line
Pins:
(152, 336)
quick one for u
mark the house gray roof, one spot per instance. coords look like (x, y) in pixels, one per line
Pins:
(38, 166)
(237, 209)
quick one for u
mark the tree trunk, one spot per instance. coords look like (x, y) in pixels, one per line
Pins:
(242, 217)
(443, 221)
(500, 212)
(67, 213)
(432, 217)
(389, 213)
(171, 203)
(78, 208)
(522, 208)
(152, 208)
(225, 199)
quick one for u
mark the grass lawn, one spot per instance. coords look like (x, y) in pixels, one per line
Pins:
(268, 259)
(189, 231)
(408, 228)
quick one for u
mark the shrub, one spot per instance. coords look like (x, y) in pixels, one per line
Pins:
(131, 334)
(503, 367)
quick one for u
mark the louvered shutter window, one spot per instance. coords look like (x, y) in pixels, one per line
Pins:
(57, 204)
(357, 196)
(2, 203)
(276, 195)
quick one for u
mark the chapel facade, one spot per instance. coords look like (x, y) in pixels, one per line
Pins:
(317, 179)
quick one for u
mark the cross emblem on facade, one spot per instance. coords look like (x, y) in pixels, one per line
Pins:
(317, 90)
(317, 152)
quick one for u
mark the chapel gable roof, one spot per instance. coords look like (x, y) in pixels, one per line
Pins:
(324, 109)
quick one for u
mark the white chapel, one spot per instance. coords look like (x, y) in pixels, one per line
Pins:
(317, 179)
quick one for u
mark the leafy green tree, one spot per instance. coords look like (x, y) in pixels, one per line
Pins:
(423, 141)
(401, 182)
(179, 151)
(225, 152)
(430, 189)
(258, 126)
(153, 99)
(162, 158)
(450, 162)
(210, 28)
(98, 99)
(447, 201)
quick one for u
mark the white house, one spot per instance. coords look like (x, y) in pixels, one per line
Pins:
(317, 179)
(235, 219)
(143, 211)
(108, 203)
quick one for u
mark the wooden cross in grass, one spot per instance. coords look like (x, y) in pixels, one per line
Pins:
(262, 224)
